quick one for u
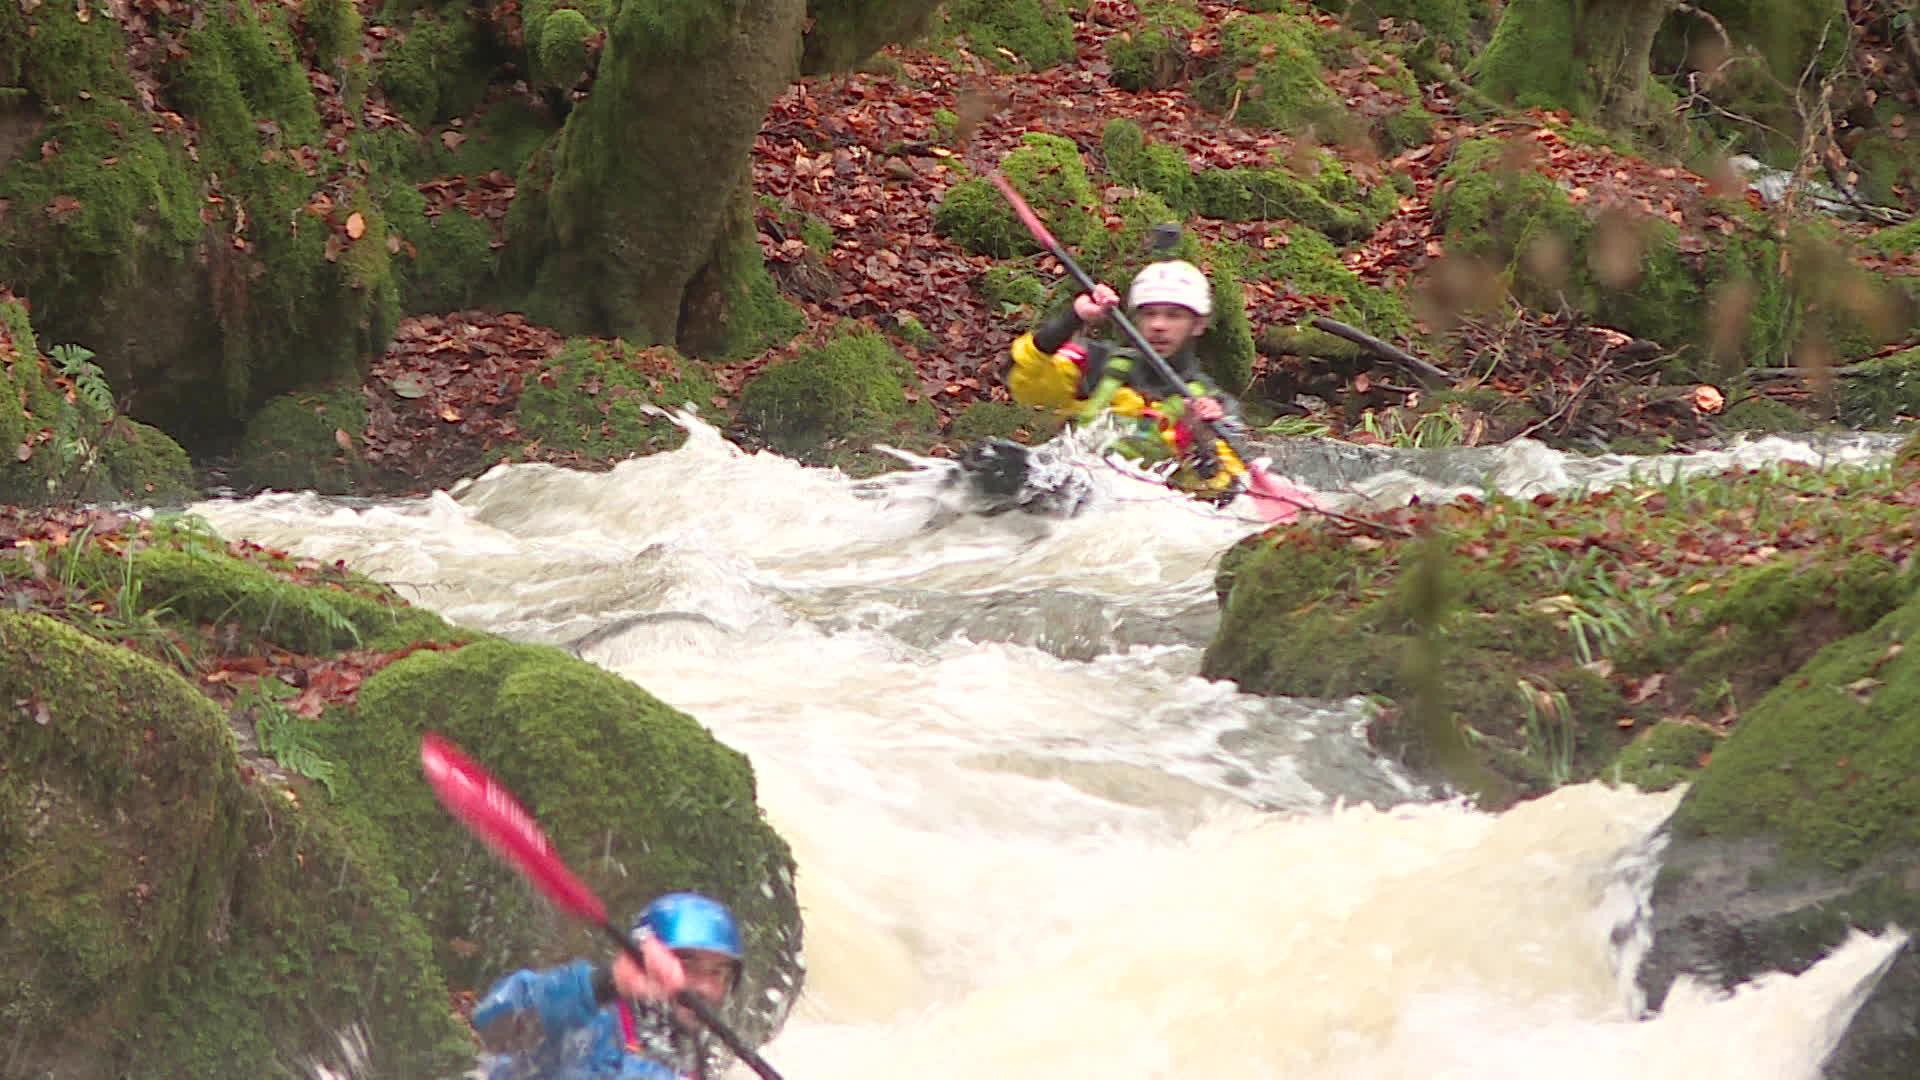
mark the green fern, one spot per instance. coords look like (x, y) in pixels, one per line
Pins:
(89, 382)
(284, 737)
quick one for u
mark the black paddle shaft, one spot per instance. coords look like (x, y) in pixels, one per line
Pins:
(701, 1009)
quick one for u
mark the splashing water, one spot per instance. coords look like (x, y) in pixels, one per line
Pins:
(1032, 840)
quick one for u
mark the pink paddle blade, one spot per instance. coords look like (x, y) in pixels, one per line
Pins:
(1276, 501)
(491, 812)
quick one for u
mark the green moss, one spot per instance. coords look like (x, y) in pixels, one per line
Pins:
(1310, 264)
(1881, 390)
(1004, 420)
(434, 69)
(1155, 167)
(1013, 288)
(811, 229)
(333, 27)
(1536, 593)
(733, 309)
(291, 445)
(1763, 415)
(1900, 240)
(1252, 194)
(144, 878)
(1405, 128)
(1267, 74)
(560, 55)
(1151, 54)
(80, 225)
(452, 260)
(1500, 210)
(1049, 174)
(1530, 61)
(845, 33)
(852, 388)
(593, 398)
(139, 463)
(633, 793)
(1665, 755)
(1448, 20)
(1821, 762)
(1037, 33)
(54, 56)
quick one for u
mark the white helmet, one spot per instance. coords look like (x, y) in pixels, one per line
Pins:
(1175, 281)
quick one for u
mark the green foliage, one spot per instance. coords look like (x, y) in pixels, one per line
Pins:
(1013, 288)
(560, 49)
(1267, 74)
(284, 737)
(1037, 33)
(1252, 194)
(854, 387)
(598, 399)
(1152, 53)
(291, 445)
(1048, 172)
(1530, 62)
(1155, 167)
(1310, 264)
(1900, 240)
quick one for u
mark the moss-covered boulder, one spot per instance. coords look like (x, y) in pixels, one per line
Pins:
(1881, 390)
(1267, 74)
(854, 388)
(63, 440)
(1554, 631)
(1050, 175)
(147, 880)
(1310, 264)
(636, 795)
(1013, 33)
(1004, 420)
(1273, 193)
(295, 443)
(1153, 53)
(1800, 830)
(1150, 166)
(1448, 20)
(434, 64)
(597, 399)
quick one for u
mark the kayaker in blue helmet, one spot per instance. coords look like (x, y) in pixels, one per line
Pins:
(582, 1020)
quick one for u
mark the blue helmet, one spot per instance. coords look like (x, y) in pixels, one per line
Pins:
(686, 920)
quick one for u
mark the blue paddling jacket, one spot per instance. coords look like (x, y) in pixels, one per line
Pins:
(578, 1038)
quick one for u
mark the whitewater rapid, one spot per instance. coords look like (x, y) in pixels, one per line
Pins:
(1032, 841)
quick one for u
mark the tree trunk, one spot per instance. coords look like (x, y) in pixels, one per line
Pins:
(639, 181)
(1591, 57)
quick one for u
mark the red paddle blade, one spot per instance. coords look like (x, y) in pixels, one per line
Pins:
(1027, 216)
(1276, 501)
(491, 812)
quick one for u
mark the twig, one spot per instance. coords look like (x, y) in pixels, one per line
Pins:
(1572, 400)
(1847, 371)
(1425, 372)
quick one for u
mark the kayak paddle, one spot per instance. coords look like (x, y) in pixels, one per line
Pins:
(1277, 501)
(490, 812)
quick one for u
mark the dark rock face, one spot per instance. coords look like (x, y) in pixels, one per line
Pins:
(1728, 910)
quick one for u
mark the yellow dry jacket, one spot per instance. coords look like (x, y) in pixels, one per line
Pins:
(1054, 381)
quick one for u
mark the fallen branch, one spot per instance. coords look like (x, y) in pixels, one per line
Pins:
(1302, 344)
(1847, 371)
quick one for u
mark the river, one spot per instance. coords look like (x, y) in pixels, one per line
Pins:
(1032, 841)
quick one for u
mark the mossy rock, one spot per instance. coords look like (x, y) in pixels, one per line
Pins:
(435, 68)
(557, 41)
(1312, 614)
(594, 398)
(144, 878)
(1050, 175)
(1310, 264)
(853, 388)
(1448, 20)
(984, 420)
(140, 463)
(1665, 755)
(291, 444)
(1038, 33)
(452, 260)
(1881, 390)
(1013, 288)
(1267, 74)
(1155, 167)
(1268, 193)
(1764, 416)
(1152, 53)
(1493, 207)
(635, 795)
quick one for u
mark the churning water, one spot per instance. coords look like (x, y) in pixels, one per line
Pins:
(1032, 841)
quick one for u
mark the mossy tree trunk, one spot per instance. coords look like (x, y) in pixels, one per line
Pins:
(1592, 57)
(636, 220)
(639, 182)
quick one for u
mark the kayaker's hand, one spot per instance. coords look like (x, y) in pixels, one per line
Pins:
(661, 979)
(1206, 409)
(1093, 306)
